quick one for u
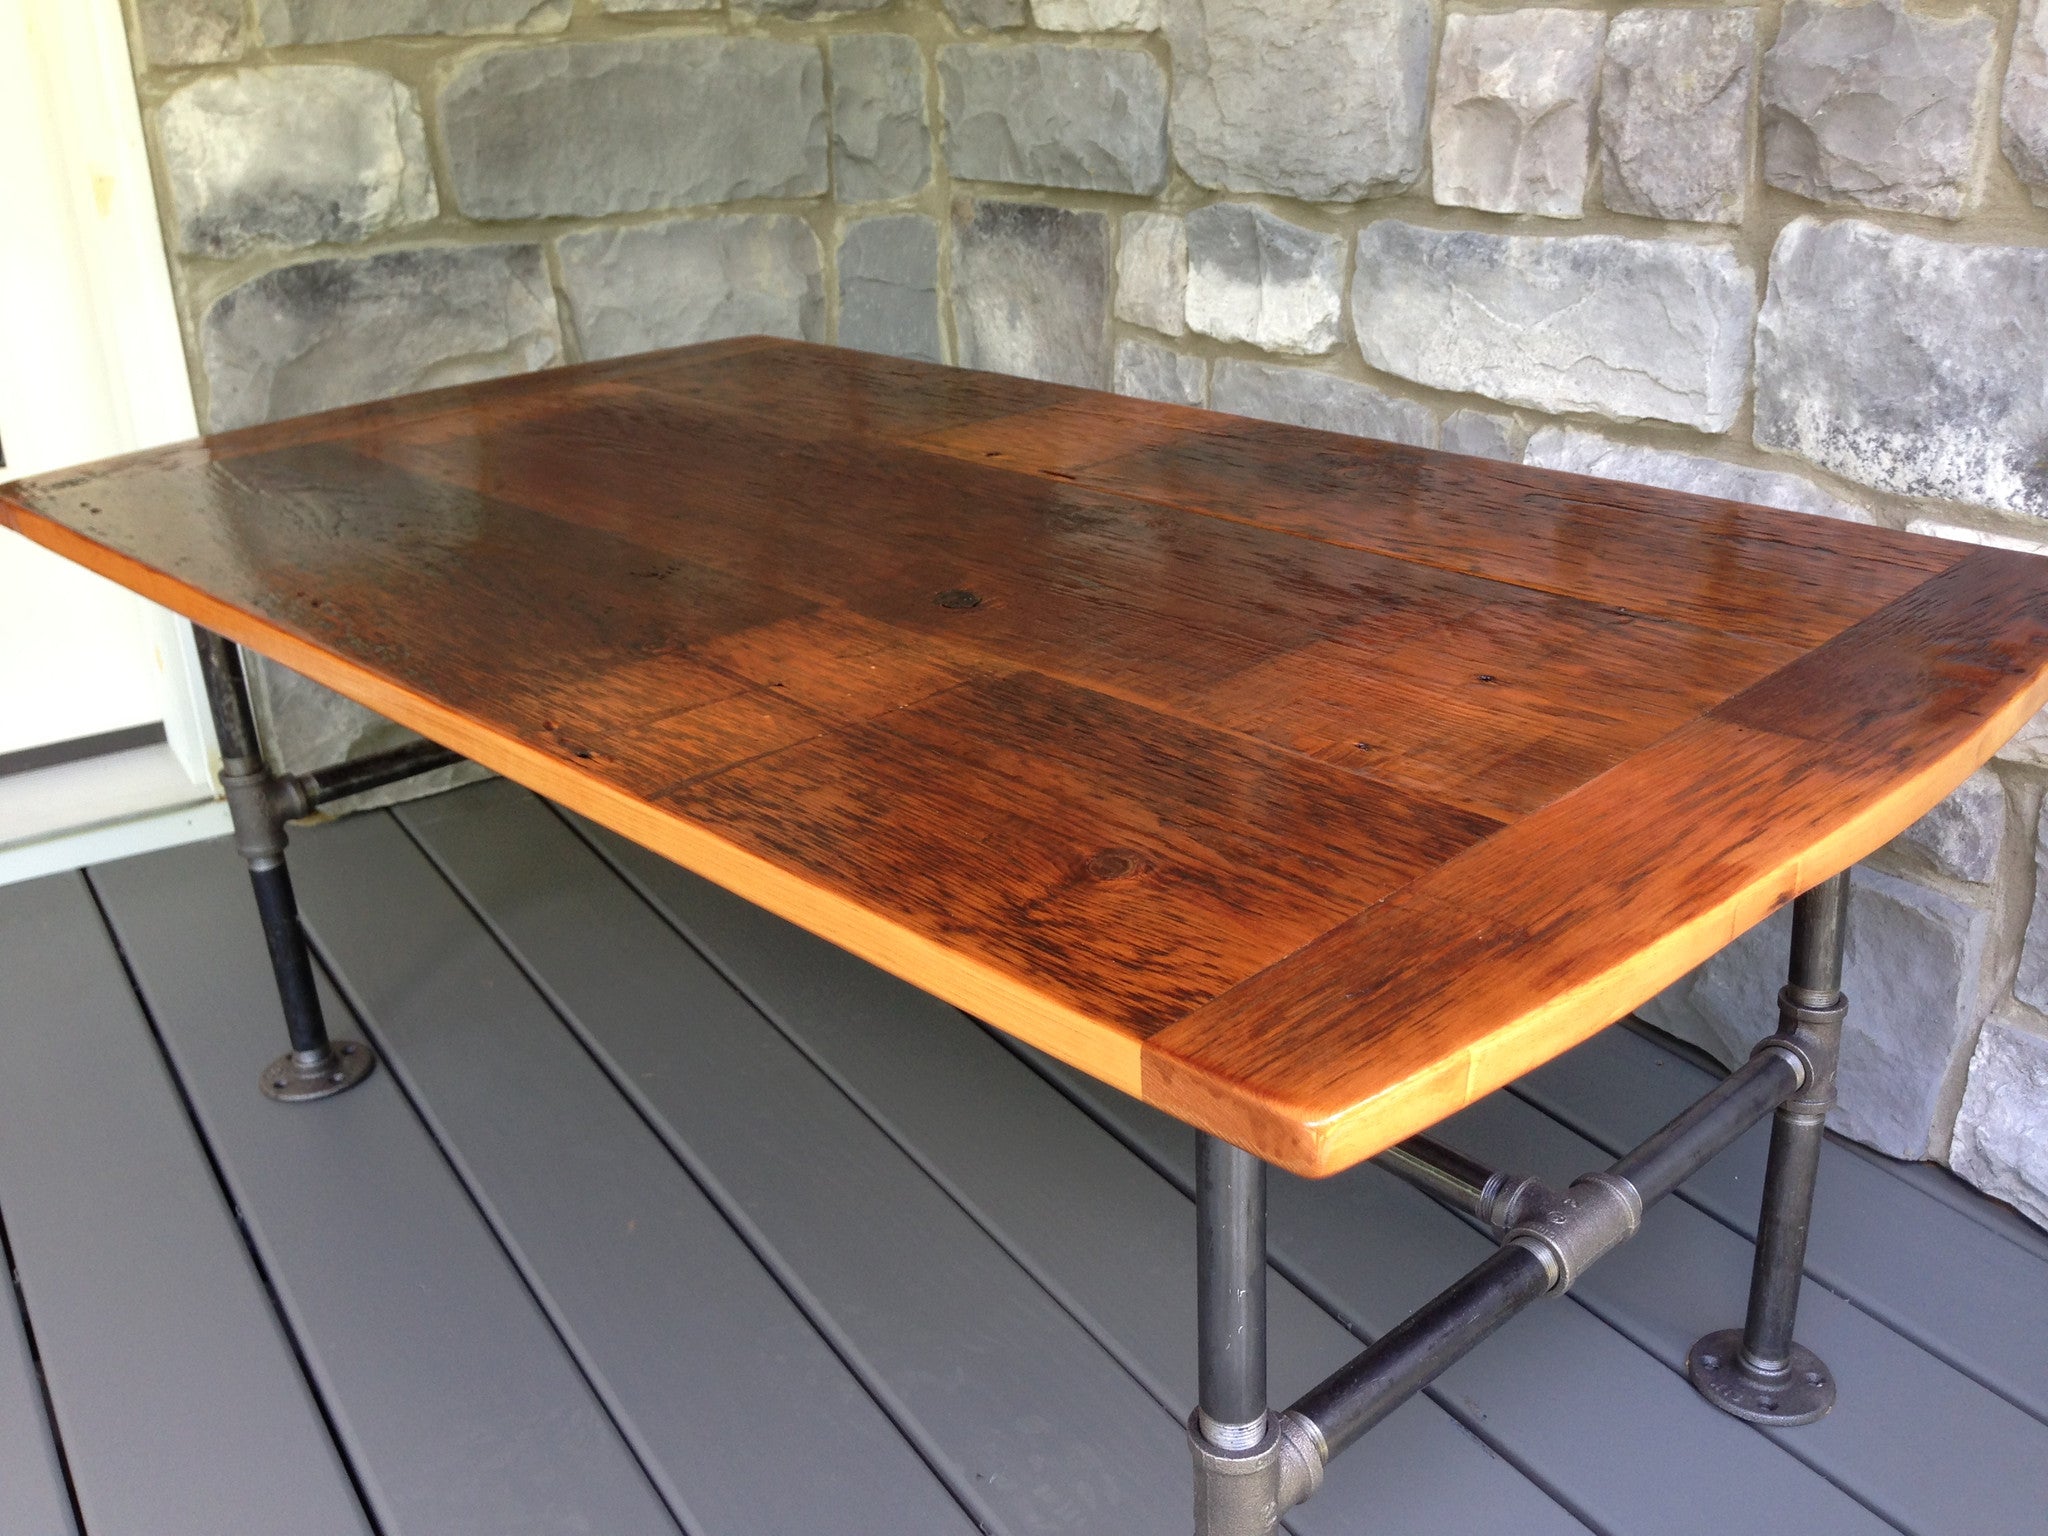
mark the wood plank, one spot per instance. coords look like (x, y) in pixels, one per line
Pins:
(460, 1408)
(99, 1166)
(34, 1500)
(1358, 1040)
(1953, 1286)
(1686, 1273)
(1585, 1414)
(1771, 573)
(1046, 1432)
(615, 1238)
(601, 585)
(1567, 1398)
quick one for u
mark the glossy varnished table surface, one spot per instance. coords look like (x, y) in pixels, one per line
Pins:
(1307, 787)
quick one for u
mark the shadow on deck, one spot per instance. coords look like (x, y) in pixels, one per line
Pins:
(663, 1216)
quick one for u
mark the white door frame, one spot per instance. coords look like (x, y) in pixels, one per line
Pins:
(108, 324)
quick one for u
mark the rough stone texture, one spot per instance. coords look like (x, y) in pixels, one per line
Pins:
(1627, 328)
(657, 5)
(1484, 434)
(881, 146)
(1911, 973)
(1302, 397)
(2030, 986)
(1031, 291)
(1909, 364)
(688, 280)
(638, 123)
(1961, 836)
(292, 156)
(1871, 104)
(347, 329)
(1096, 15)
(2001, 1136)
(1512, 125)
(1588, 453)
(1674, 113)
(1152, 372)
(1152, 272)
(800, 10)
(305, 726)
(1253, 277)
(1055, 115)
(987, 15)
(192, 31)
(889, 287)
(1317, 99)
(341, 21)
(2024, 113)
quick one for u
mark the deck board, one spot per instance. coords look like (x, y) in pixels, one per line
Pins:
(162, 1351)
(1098, 1228)
(33, 1498)
(1619, 1087)
(458, 1403)
(1571, 1402)
(915, 1297)
(589, 1037)
(710, 1369)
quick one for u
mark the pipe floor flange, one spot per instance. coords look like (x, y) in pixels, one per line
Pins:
(291, 1081)
(1806, 1392)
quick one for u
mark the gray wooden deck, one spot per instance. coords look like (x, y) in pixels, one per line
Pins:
(663, 1216)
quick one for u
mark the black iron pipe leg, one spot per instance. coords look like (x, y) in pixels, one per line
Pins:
(1759, 1372)
(315, 1067)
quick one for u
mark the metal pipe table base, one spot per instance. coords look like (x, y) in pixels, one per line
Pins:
(1252, 1465)
(260, 804)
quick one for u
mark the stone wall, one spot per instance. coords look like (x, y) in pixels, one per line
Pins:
(1795, 253)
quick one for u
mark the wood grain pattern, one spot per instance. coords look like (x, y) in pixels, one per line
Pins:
(1308, 786)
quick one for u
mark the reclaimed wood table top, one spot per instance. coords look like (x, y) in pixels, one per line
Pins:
(1306, 787)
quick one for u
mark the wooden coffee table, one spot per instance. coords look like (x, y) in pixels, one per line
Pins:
(1305, 787)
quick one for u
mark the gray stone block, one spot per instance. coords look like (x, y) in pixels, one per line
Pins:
(1148, 371)
(2001, 1133)
(1625, 328)
(1031, 291)
(2030, 986)
(1588, 453)
(987, 15)
(633, 124)
(340, 21)
(294, 155)
(689, 280)
(1317, 99)
(1511, 131)
(1872, 104)
(1961, 836)
(2023, 116)
(1674, 113)
(1152, 272)
(1055, 115)
(1908, 364)
(1303, 397)
(1911, 974)
(343, 330)
(802, 10)
(1483, 434)
(889, 287)
(1256, 278)
(1096, 15)
(881, 143)
(192, 31)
